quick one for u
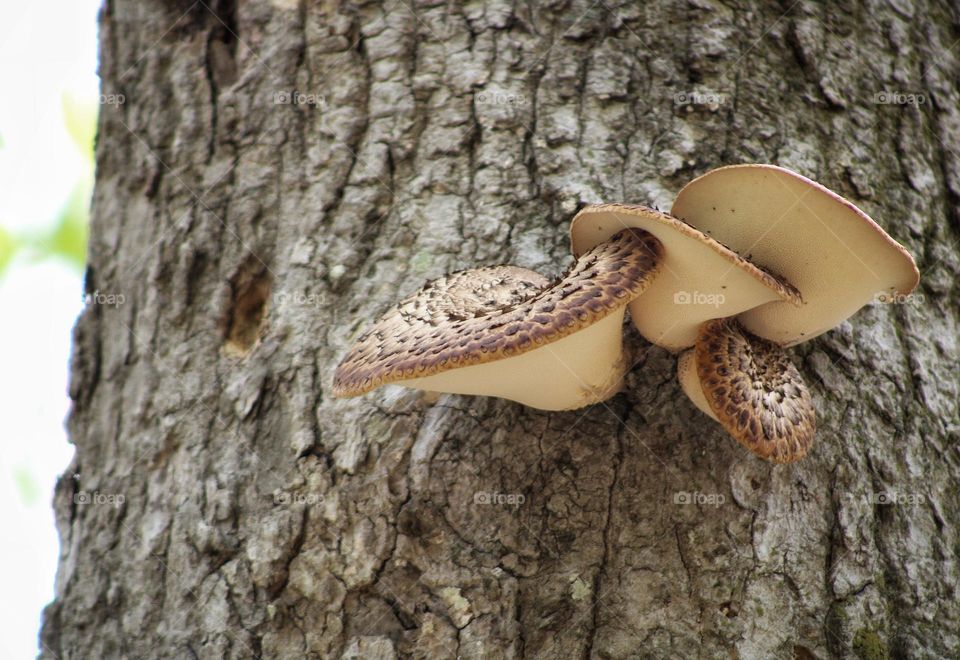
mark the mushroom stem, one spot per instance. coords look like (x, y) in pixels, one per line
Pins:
(752, 389)
(690, 382)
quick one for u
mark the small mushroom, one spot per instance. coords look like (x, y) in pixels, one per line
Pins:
(701, 279)
(506, 332)
(749, 385)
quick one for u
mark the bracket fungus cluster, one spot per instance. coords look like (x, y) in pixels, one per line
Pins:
(752, 259)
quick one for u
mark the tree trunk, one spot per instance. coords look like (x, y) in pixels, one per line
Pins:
(279, 173)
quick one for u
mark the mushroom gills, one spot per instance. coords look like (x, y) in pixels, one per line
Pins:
(552, 346)
(752, 388)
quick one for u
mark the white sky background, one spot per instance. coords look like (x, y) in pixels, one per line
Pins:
(46, 48)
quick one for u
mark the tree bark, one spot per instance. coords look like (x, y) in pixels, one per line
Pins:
(279, 173)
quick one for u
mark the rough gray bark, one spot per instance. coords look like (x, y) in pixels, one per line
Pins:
(252, 240)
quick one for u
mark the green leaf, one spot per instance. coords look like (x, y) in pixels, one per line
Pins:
(80, 117)
(8, 246)
(69, 237)
(26, 485)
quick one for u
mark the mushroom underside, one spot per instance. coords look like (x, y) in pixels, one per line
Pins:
(823, 244)
(700, 278)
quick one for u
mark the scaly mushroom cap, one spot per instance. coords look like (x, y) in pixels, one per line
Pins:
(504, 331)
(700, 279)
(821, 243)
(754, 391)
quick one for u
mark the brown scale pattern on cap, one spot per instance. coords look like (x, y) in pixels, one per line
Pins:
(472, 292)
(486, 314)
(755, 391)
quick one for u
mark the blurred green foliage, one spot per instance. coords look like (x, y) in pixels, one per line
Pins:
(26, 485)
(66, 238)
(69, 237)
(8, 246)
(80, 117)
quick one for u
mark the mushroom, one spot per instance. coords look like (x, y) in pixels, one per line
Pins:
(505, 331)
(749, 385)
(831, 251)
(700, 280)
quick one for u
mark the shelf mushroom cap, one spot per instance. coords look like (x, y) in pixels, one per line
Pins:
(700, 279)
(834, 253)
(507, 332)
(751, 387)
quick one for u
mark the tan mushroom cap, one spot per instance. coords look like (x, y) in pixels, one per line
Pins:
(509, 333)
(821, 243)
(700, 279)
(752, 388)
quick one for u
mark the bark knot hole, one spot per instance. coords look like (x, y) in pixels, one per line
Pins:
(245, 321)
